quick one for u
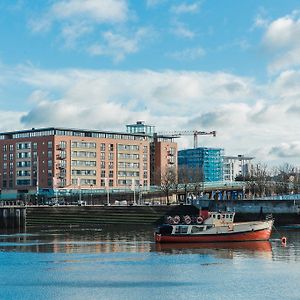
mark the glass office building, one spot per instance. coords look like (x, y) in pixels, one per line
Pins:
(208, 160)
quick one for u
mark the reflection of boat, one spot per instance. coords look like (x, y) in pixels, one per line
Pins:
(257, 246)
(212, 227)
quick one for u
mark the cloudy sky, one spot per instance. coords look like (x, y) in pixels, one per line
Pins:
(231, 66)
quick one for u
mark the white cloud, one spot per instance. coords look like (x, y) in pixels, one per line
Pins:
(249, 119)
(281, 39)
(72, 32)
(285, 150)
(188, 54)
(260, 22)
(117, 46)
(77, 18)
(98, 11)
(182, 30)
(153, 3)
(184, 8)
(11, 120)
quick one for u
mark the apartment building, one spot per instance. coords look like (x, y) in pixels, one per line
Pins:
(163, 151)
(236, 166)
(64, 158)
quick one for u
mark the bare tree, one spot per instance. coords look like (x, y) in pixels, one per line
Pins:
(258, 182)
(168, 181)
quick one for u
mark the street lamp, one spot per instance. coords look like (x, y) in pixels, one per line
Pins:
(107, 191)
(91, 186)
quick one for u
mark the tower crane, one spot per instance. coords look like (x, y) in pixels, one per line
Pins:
(195, 133)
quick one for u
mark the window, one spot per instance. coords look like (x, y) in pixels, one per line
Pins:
(102, 164)
(111, 147)
(102, 182)
(4, 156)
(111, 156)
(102, 155)
(111, 182)
(102, 147)
(111, 173)
(11, 156)
(103, 173)
(196, 229)
(111, 165)
(49, 144)
(4, 147)
(34, 146)
(11, 147)
(62, 144)
(50, 154)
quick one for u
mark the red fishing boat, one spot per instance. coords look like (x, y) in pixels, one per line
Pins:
(212, 227)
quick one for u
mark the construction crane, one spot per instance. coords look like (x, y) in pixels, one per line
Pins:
(195, 133)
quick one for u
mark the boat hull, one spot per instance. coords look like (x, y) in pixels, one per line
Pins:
(259, 235)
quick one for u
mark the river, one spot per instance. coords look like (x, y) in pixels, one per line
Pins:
(112, 262)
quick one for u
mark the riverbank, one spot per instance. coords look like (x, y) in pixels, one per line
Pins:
(285, 212)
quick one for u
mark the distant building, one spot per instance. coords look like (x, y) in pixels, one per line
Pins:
(64, 158)
(236, 166)
(209, 160)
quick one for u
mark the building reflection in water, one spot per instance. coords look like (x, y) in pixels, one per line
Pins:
(110, 239)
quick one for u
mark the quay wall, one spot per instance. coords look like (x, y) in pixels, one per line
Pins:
(99, 215)
(283, 211)
(12, 217)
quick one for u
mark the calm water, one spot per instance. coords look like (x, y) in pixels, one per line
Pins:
(124, 263)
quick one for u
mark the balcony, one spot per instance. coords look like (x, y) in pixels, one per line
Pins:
(60, 157)
(60, 167)
(60, 147)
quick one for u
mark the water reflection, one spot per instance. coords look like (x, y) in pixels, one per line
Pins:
(111, 239)
(220, 250)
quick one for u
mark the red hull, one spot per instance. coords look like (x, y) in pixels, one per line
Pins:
(261, 235)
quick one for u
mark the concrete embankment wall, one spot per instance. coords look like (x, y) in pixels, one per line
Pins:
(97, 215)
(283, 211)
(12, 217)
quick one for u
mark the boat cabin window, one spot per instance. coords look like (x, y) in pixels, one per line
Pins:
(227, 216)
(181, 229)
(214, 216)
(196, 229)
(219, 217)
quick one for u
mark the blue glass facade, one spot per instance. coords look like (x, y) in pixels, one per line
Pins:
(210, 160)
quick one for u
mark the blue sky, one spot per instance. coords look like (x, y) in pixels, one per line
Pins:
(230, 66)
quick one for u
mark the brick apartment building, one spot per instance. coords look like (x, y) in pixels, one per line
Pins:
(64, 158)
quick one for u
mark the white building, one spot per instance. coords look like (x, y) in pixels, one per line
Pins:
(234, 166)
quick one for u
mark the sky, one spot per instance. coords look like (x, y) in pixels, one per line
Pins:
(231, 66)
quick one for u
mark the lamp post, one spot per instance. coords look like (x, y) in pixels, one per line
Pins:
(133, 188)
(91, 186)
(107, 191)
